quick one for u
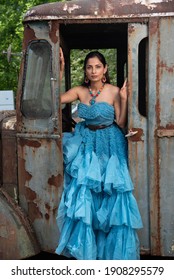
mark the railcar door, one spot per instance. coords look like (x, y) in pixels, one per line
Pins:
(40, 167)
(151, 114)
(137, 121)
(161, 134)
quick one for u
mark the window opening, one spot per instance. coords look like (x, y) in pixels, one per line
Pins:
(36, 99)
(142, 77)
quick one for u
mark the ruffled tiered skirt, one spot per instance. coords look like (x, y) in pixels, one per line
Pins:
(98, 215)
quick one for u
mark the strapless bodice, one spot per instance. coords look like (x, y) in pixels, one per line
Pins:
(97, 114)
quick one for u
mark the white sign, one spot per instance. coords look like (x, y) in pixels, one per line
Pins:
(6, 100)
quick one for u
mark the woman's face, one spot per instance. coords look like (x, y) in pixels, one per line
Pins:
(95, 69)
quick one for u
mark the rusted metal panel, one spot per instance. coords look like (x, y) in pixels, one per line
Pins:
(40, 159)
(160, 143)
(138, 143)
(17, 238)
(40, 182)
(165, 111)
(166, 197)
(9, 153)
(108, 9)
(152, 144)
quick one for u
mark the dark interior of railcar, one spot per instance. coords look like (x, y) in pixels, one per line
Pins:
(102, 36)
(92, 36)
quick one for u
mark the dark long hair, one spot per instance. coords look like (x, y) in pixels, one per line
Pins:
(102, 59)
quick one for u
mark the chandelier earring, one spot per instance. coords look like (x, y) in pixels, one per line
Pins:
(104, 79)
(86, 80)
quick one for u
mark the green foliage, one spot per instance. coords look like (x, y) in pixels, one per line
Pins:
(11, 33)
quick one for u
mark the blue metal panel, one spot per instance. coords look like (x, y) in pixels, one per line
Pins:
(161, 132)
(138, 143)
(165, 96)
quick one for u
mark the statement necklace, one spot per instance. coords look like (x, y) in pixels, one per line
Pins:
(92, 100)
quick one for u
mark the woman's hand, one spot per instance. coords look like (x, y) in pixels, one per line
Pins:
(124, 91)
(62, 63)
(121, 105)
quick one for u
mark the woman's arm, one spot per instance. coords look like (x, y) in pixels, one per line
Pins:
(120, 105)
(62, 64)
(72, 94)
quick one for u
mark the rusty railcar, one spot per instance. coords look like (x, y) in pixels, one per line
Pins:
(142, 33)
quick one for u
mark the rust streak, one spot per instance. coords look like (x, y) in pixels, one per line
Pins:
(53, 32)
(55, 180)
(30, 194)
(29, 35)
(47, 206)
(156, 198)
(47, 216)
(30, 143)
(170, 126)
(55, 211)
(153, 26)
(165, 66)
(33, 211)
(28, 176)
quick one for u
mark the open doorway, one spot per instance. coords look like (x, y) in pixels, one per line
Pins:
(77, 40)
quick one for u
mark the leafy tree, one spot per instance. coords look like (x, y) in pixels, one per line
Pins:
(11, 33)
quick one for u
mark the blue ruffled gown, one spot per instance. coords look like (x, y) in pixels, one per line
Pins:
(98, 215)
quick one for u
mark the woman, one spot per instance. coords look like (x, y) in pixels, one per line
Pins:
(98, 214)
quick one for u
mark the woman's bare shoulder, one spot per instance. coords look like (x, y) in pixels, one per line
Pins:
(79, 89)
(112, 88)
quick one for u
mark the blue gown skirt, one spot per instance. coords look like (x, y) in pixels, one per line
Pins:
(98, 215)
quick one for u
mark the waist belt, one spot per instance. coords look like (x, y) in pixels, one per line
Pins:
(95, 127)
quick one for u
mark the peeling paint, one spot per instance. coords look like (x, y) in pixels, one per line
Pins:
(30, 12)
(54, 35)
(150, 4)
(70, 8)
(101, 9)
(10, 123)
(41, 173)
